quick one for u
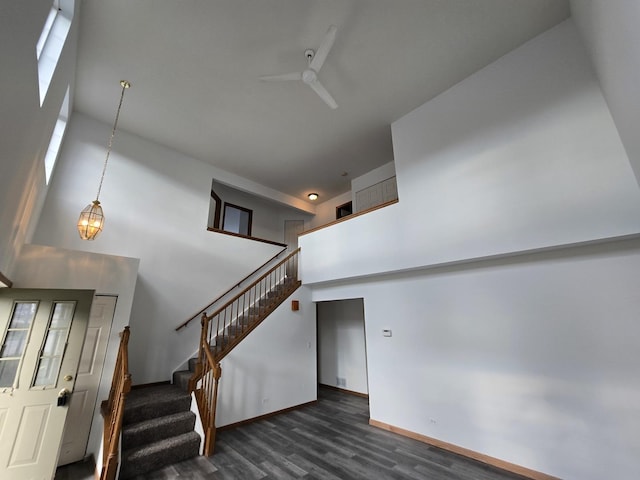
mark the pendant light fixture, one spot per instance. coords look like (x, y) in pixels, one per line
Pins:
(91, 219)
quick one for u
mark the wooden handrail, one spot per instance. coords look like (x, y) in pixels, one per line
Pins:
(113, 409)
(235, 285)
(227, 326)
(262, 277)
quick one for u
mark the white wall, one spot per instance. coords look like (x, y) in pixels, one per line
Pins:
(26, 127)
(254, 188)
(610, 31)
(274, 367)
(501, 271)
(373, 177)
(377, 175)
(49, 267)
(532, 360)
(326, 211)
(521, 155)
(156, 204)
(342, 349)
(268, 216)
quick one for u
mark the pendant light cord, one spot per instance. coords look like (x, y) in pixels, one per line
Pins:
(125, 85)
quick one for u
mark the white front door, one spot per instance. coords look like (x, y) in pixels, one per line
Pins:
(85, 393)
(42, 334)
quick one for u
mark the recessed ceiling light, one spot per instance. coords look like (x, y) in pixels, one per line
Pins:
(313, 196)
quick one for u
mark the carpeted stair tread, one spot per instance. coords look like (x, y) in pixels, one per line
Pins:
(156, 429)
(153, 456)
(181, 379)
(192, 364)
(151, 402)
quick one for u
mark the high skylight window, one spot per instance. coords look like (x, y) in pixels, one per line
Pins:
(51, 156)
(46, 30)
(51, 41)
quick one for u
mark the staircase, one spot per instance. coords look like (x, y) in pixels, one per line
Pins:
(181, 377)
(157, 430)
(227, 326)
(158, 425)
(233, 333)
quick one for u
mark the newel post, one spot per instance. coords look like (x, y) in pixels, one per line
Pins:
(210, 437)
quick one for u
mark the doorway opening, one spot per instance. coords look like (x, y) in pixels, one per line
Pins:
(342, 351)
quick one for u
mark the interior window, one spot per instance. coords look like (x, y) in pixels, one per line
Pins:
(237, 219)
(344, 210)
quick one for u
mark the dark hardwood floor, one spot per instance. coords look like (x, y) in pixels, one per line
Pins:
(330, 440)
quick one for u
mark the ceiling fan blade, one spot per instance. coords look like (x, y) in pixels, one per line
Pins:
(323, 93)
(282, 77)
(323, 50)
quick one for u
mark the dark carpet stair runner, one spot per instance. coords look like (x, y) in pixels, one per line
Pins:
(157, 430)
(158, 422)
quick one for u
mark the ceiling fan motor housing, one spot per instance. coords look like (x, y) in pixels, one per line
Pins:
(309, 76)
(315, 60)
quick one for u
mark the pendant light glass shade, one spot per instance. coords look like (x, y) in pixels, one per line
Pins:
(91, 220)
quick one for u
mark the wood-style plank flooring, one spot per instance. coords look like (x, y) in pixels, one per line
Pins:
(330, 440)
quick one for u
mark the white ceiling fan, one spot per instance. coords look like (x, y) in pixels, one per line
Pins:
(315, 60)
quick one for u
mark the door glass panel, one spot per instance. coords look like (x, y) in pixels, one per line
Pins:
(8, 369)
(47, 372)
(62, 314)
(14, 341)
(54, 345)
(23, 313)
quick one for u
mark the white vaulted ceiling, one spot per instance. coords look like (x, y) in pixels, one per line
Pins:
(194, 66)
